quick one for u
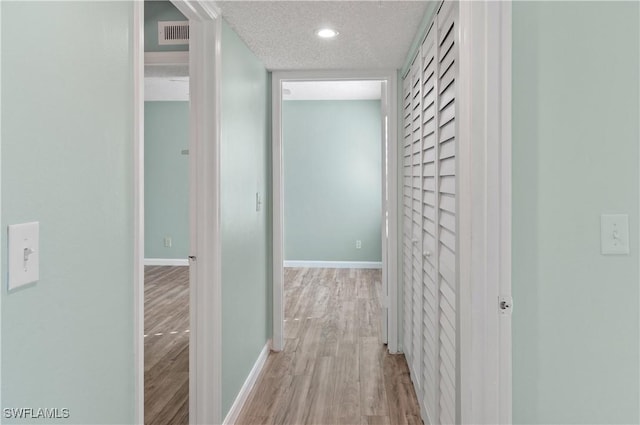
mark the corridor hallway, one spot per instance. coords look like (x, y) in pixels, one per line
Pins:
(334, 369)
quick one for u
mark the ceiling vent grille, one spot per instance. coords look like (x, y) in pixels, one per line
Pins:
(173, 32)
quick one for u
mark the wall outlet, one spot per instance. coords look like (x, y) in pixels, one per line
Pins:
(358, 244)
(167, 242)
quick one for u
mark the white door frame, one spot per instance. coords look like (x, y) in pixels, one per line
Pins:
(205, 353)
(391, 246)
(138, 206)
(485, 212)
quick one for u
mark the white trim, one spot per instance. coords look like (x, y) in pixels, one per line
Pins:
(166, 262)
(485, 211)
(333, 264)
(205, 338)
(278, 218)
(166, 58)
(248, 385)
(390, 245)
(205, 343)
(503, 206)
(138, 208)
(2, 293)
(384, 223)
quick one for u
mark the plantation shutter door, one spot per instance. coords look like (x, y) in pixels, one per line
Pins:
(407, 200)
(430, 240)
(429, 224)
(447, 73)
(416, 279)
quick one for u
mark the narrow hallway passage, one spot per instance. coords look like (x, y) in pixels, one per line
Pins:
(334, 369)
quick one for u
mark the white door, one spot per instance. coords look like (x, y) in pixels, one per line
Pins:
(385, 213)
(412, 234)
(431, 220)
(447, 192)
(431, 333)
(407, 201)
(416, 218)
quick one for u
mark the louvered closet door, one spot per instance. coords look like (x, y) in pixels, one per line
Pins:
(430, 305)
(430, 217)
(447, 56)
(407, 200)
(416, 280)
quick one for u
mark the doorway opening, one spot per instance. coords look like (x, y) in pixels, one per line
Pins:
(331, 226)
(203, 309)
(333, 221)
(166, 218)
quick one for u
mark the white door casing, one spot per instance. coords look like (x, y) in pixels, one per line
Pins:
(384, 223)
(485, 212)
(138, 208)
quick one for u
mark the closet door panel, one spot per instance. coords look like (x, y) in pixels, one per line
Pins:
(416, 106)
(407, 219)
(430, 236)
(430, 240)
(447, 216)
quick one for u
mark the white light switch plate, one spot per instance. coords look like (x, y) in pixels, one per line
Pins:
(24, 254)
(614, 234)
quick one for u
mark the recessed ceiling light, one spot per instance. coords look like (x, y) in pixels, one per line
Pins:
(327, 33)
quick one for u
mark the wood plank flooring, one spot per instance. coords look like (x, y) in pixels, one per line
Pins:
(166, 345)
(334, 369)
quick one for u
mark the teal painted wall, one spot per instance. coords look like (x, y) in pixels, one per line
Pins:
(67, 130)
(166, 177)
(418, 38)
(246, 252)
(160, 10)
(332, 180)
(575, 156)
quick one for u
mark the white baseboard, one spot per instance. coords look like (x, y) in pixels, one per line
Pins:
(166, 262)
(334, 264)
(243, 395)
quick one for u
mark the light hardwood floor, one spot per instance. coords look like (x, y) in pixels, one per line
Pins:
(166, 345)
(333, 370)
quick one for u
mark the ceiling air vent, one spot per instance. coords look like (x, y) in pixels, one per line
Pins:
(173, 32)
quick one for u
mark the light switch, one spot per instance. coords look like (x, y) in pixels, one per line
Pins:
(258, 201)
(24, 254)
(614, 234)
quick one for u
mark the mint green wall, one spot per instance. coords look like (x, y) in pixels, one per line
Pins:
(67, 130)
(418, 38)
(575, 156)
(160, 10)
(332, 179)
(245, 156)
(166, 178)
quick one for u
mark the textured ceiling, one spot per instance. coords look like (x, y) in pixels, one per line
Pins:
(373, 34)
